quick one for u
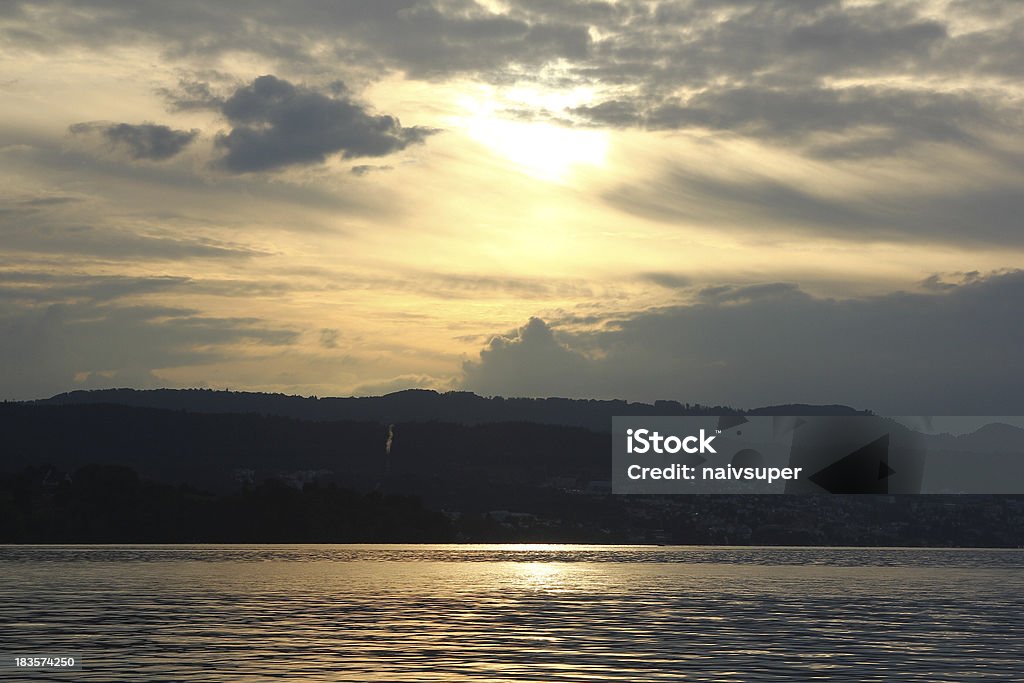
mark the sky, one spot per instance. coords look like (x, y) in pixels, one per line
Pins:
(740, 202)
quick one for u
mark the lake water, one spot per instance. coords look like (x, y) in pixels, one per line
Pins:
(514, 613)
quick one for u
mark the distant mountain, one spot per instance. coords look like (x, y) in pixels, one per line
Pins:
(218, 451)
(803, 409)
(417, 405)
(988, 459)
(995, 437)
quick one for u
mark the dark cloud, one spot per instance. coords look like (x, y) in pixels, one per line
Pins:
(875, 121)
(732, 294)
(32, 287)
(45, 162)
(770, 68)
(50, 200)
(482, 43)
(528, 362)
(954, 349)
(191, 95)
(276, 124)
(775, 208)
(422, 38)
(614, 113)
(991, 51)
(831, 80)
(364, 169)
(24, 287)
(668, 43)
(329, 338)
(714, 44)
(142, 141)
(789, 112)
(45, 350)
(109, 243)
(857, 36)
(776, 41)
(667, 280)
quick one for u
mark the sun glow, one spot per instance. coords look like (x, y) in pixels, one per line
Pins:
(543, 150)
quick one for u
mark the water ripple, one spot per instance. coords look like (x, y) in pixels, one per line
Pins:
(500, 613)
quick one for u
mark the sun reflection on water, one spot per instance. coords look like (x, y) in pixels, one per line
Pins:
(463, 614)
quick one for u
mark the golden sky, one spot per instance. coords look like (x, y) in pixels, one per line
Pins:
(736, 202)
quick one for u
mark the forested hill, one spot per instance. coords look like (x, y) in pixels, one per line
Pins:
(120, 474)
(220, 450)
(416, 405)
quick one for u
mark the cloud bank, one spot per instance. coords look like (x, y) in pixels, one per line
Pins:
(142, 141)
(276, 123)
(953, 348)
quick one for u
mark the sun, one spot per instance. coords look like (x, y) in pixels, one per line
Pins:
(540, 149)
